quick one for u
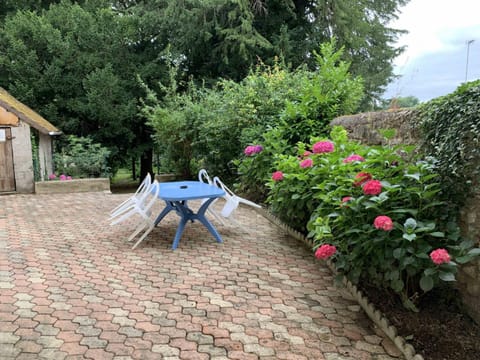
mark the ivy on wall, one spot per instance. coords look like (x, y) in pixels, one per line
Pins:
(451, 134)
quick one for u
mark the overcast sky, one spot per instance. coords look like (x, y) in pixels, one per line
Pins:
(435, 61)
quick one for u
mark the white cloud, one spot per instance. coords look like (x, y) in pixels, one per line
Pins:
(430, 23)
(434, 62)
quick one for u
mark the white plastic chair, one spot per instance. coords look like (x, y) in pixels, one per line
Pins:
(232, 201)
(132, 200)
(142, 209)
(147, 222)
(205, 178)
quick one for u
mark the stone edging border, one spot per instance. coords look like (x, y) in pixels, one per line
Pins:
(374, 314)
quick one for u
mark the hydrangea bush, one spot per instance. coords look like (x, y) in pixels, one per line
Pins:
(376, 212)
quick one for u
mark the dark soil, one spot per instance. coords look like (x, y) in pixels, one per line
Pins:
(441, 330)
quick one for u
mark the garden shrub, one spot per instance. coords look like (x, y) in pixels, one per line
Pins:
(322, 96)
(79, 157)
(374, 210)
(199, 127)
(450, 127)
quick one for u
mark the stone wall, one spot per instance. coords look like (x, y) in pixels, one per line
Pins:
(365, 128)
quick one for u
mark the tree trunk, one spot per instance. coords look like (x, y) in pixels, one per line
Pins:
(146, 163)
(134, 169)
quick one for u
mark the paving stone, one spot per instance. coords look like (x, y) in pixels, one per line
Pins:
(72, 289)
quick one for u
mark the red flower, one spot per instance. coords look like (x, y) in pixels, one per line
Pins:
(372, 187)
(325, 251)
(383, 222)
(277, 176)
(440, 256)
(323, 147)
(361, 178)
(346, 198)
(306, 163)
(353, 158)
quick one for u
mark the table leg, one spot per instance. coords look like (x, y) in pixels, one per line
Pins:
(164, 212)
(203, 219)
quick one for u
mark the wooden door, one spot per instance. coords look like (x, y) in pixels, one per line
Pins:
(7, 175)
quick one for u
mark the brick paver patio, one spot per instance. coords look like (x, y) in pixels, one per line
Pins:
(72, 288)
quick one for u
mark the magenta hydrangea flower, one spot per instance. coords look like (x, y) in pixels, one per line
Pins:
(277, 176)
(325, 251)
(353, 158)
(306, 153)
(69, 177)
(440, 256)
(52, 177)
(306, 163)
(63, 177)
(323, 147)
(372, 187)
(383, 222)
(249, 150)
(252, 149)
(258, 148)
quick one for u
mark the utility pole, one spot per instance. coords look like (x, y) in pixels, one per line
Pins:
(469, 42)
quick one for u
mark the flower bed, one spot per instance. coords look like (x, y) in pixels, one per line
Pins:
(75, 185)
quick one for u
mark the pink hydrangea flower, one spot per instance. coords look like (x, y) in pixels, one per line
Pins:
(63, 177)
(277, 176)
(325, 251)
(383, 222)
(249, 150)
(440, 256)
(69, 177)
(346, 199)
(323, 147)
(252, 149)
(306, 163)
(52, 177)
(361, 178)
(353, 158)
(372, 187)
(306, 153)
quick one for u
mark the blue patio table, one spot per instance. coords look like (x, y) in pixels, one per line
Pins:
(176, 195)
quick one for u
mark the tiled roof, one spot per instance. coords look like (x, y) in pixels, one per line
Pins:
(26, 114)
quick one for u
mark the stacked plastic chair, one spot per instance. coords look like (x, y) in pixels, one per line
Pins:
(139, 207)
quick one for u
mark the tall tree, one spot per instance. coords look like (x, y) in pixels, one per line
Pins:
(75, 66)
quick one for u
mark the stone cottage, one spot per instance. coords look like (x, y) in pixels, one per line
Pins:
(17, 121)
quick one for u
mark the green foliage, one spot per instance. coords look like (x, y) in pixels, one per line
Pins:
(75, 63)
(79, 157)
(451, 131)
(320, 97)
(329, 200)
(399, 102)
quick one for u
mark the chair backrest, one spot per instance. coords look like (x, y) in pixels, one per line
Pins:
(144, 185)
(204, 177)
(153, 192)
(229, 194)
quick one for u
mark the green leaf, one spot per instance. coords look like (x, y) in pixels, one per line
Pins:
(474, 252)
(430, 271)
(463, 259)
(409, 237)
(446, 276)
(426, 283)
(398, 253)
(397, 285)
(415, 176)
(438, 234)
